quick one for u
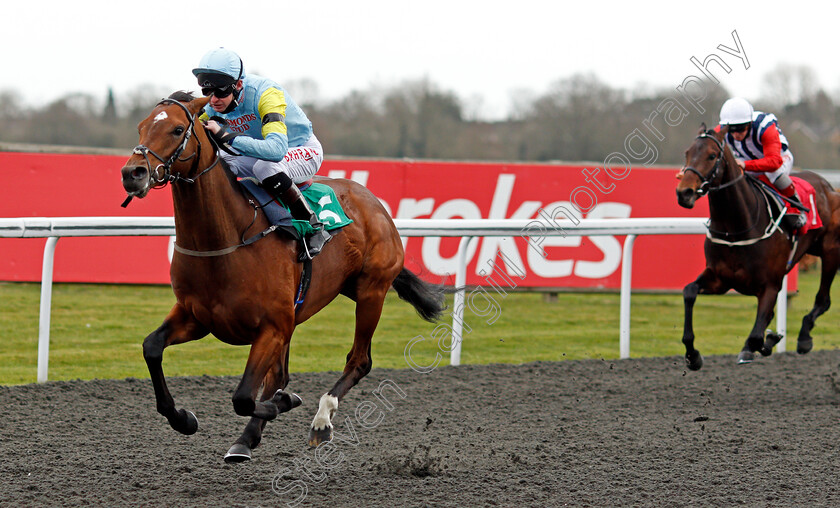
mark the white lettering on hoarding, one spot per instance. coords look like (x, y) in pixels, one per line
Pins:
(432, 258)
(491, 247)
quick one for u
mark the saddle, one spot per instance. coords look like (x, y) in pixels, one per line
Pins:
(320, 197)
(781, 206)
(323, 202)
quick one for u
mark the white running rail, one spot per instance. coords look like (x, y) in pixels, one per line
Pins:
(467, 229)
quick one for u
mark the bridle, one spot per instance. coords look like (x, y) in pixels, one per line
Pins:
(706, 181)
(160, 179)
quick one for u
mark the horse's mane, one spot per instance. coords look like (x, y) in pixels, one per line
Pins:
(728, 156)
(181, 96)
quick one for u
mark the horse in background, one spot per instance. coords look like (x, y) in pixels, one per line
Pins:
(746, 249)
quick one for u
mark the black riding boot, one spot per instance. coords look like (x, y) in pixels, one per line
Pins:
(797, 219)
(280, 186)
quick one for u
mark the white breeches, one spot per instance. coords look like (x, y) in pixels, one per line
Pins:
(784, 170)
(300, 163)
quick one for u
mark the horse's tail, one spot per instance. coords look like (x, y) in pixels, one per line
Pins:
(425, 297)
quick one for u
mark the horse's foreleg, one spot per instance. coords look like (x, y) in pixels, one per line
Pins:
(763, 316)
(359, 363)
(707, 282)
(266, 353)
(177, 328)
(830, 262)
(275, 381)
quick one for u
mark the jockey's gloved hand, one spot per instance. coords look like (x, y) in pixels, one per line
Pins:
(222, 136)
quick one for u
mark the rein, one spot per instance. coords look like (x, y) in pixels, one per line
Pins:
(771, 228)
(754, 220)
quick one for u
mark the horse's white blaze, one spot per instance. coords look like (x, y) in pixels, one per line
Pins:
(326, 409)
(161, 116)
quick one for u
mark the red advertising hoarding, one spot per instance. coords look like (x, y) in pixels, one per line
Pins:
(70, 185)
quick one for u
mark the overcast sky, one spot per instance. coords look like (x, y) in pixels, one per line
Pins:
(489, 49)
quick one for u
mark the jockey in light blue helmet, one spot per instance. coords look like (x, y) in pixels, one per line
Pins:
(263, 134)
(219, 70)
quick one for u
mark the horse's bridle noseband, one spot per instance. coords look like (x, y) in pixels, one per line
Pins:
(166, 176)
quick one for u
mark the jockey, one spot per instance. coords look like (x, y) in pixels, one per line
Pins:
(760, 148)
(264, 134)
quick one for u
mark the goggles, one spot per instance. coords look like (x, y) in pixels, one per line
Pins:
(739, 128)
(218, 92)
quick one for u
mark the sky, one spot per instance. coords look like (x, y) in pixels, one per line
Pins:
(488, 53)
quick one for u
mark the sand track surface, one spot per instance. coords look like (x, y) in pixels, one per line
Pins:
(579, 433)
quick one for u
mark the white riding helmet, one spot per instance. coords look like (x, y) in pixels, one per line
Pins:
(735, 111)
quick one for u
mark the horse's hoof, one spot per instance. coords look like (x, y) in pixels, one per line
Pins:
(694, 361)
(804, 346)
(770, 342)
(286, 401)
(318, 437)
(745, 357)
(238, 453)
(186, 423)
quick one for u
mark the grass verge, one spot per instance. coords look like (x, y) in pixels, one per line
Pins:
(97, 331)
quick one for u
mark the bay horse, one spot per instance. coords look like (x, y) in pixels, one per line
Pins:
(246, 294)
(744, 251)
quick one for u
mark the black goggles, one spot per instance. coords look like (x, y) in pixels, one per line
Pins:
(218, 92)
(739, 128)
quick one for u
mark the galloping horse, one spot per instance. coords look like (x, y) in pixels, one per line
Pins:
(246, 294)
(745, 250)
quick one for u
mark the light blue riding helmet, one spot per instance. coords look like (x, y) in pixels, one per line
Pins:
(220, 61)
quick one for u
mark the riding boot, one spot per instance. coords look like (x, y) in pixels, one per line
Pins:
(797, 219)
(280, 186)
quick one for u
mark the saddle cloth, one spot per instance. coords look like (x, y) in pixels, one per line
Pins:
(807, 194)
(321, 199)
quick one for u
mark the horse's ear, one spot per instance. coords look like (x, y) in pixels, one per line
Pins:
(702, 128)
(196, 105)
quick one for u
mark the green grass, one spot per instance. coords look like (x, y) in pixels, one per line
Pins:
(97, 331)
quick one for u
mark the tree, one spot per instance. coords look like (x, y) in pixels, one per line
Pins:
(109, 115)
(789, 84)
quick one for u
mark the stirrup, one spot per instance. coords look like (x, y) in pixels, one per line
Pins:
(313, 244)
(795, 221)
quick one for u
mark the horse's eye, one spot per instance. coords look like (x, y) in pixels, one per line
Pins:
(178, 130)
(712, 157)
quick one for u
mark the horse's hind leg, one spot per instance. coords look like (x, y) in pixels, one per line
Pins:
(763, 316)
(177, 328)
(359, 363)
(830, 262)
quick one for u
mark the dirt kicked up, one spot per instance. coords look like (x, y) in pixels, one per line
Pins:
(579, 433)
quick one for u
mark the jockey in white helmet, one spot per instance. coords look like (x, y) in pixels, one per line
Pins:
(760, 148)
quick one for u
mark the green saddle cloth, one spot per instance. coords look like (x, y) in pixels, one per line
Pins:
(324, 203)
